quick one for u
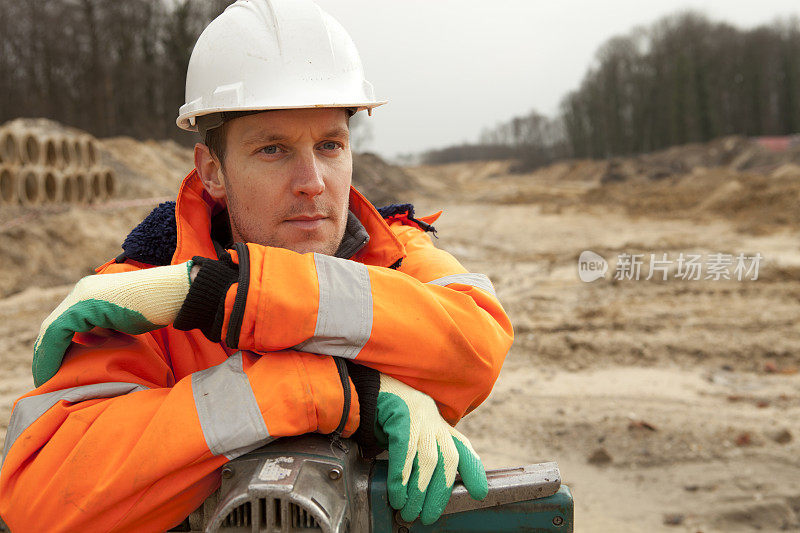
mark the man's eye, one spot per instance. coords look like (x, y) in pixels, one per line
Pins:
(330, 145)
(271, 149)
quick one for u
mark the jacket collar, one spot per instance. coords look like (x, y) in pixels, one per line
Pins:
(354, 239)
(195, 209)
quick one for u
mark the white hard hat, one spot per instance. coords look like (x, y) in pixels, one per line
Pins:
(273, 54)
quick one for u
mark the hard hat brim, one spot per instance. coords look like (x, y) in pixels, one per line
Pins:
(188, 121)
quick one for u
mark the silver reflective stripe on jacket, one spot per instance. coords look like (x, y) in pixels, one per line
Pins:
(344, 318)
(227, 408)
(28, 410)
(473, 280)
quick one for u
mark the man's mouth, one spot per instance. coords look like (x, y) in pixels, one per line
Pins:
(307, 222)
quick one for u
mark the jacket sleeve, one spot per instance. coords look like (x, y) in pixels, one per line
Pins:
(113, 442)
(430, 323)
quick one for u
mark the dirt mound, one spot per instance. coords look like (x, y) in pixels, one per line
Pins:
(44, 125)
(681, 159)
(736, 153)
(757, 203)
(149, 168)
(380, 182)
(45, 249)
(747, 181)
(753, 182)
(441, 177)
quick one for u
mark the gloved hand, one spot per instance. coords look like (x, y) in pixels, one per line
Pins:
(129, 302)
(424, 453)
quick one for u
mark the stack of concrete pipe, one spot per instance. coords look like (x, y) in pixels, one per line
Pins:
(39, 167)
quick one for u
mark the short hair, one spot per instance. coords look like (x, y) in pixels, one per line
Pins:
(214, 136)
(215, 140)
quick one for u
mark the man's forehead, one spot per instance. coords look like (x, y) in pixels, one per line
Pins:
(283, 124)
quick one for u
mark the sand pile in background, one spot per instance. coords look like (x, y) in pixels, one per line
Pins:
(756, 203)
(44, 125)
(732, 178)
(735, 153)
(380, 182)
(149, 168)
(57, 247)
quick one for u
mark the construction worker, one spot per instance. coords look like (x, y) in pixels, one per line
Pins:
(270, 300)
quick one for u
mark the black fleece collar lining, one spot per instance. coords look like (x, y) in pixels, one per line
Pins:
(354, 239)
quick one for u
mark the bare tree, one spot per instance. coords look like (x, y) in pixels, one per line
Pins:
(685, 79)
(111, 68)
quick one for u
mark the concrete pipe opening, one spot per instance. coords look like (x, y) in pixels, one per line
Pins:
(66, 153)
(8, 185)
(81, 190)
(50, 186)
(109, 183)
(31, 152)
(67, 189)
(29, 188)
(52, 157)
(77, 152)
(89, 154)
(9, 147)
(96, 186)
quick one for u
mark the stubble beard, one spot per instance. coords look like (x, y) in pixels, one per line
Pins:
(244, 232)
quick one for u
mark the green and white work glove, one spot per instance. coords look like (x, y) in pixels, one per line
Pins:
(424, 453)
(128, 302)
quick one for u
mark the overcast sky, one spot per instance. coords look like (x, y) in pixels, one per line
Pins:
(452, 67)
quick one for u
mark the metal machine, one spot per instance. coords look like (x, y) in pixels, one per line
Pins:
(311, 483)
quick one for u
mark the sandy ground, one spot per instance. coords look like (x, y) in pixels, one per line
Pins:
(669, 405)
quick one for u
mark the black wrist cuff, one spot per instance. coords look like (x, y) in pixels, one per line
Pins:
(341, 367)
(367, 384)
(204, 306)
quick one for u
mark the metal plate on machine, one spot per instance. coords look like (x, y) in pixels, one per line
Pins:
(528, 498)
(509, 485)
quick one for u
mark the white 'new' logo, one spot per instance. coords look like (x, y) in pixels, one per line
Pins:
(591, 266)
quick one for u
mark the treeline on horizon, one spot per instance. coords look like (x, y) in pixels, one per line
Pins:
(683, 79)
(107, 67)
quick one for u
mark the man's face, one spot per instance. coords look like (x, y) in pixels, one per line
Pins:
(287, 178)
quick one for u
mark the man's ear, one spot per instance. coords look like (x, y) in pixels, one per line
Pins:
(210, 171)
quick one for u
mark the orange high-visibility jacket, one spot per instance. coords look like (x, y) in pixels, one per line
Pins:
(130, 434)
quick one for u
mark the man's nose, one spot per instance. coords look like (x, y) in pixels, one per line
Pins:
(308, 178)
